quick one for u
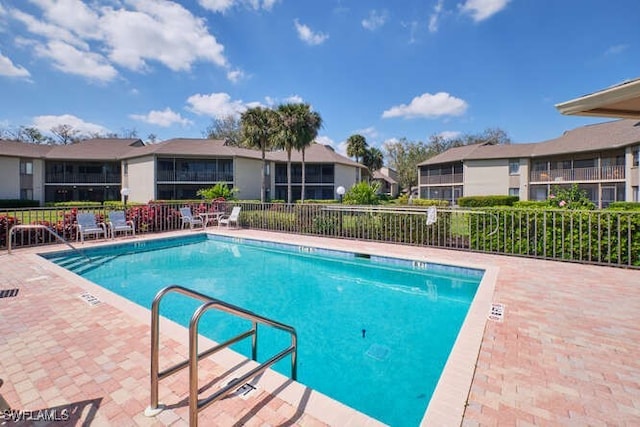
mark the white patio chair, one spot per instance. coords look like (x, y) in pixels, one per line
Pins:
(190, 220)
(118, 222)
(232, 218)
(87, 225)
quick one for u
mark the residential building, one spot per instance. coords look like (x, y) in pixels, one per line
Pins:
(98, 169)
(388, 180)
(602, 159)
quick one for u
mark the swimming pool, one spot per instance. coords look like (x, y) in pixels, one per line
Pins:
(374, 332)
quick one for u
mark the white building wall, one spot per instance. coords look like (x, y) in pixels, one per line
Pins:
(486, 177)
(246, 174)
(140, 178)
(347, 176)
(10, 178)
(38, 180)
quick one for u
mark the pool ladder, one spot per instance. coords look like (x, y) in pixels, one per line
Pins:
(208, 303)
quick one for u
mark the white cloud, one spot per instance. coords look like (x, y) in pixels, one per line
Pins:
(449, 134)
(130, 34)
(71, 60)
(7, 68)
(434, 18)
(369, 132)
(340, 148)
(235, 76)
(294, 99)
(224, 5)
(616, 49)
(45, 123)
(483, 9)
(164, 118)
(162, 31)
(375, 20)
(308, 36)
(429, 106)
(215, 105)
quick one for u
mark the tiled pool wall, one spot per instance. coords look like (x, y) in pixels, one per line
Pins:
(406, 263)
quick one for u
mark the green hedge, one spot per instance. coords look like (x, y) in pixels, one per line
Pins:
(593, 236)
(534, 204)
(18, 203)
(624, 206)
(487, 201)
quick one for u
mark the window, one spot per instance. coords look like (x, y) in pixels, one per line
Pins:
(26, 194)
(514, 167)
(26, 167)
(636, 156)
(514, 191)
(636, 194)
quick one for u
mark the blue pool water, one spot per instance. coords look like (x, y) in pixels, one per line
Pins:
(410, 312)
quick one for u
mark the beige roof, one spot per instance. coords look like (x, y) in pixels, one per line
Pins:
(597, 137)
(194, 147)
(95, 149)
(117, 149)
(379, 175)
(22, 149)
(316, 153)
(619, 101)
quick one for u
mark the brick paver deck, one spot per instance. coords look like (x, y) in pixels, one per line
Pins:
(567, 352)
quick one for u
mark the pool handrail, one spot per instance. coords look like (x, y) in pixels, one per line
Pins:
(41, 227)
(195, 404)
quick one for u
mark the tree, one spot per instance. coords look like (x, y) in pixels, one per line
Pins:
(288, 131)
(356, 146)
(258, 127)
(66, 134)
(373, 159)
(404, 156)
(227, 129)
(305, 127)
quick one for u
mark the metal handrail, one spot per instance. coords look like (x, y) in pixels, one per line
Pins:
(42, 227)
(195, 404)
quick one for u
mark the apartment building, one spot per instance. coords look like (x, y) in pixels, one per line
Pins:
(602, 159)
(98, 169)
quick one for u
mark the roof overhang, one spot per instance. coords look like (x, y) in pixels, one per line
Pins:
(620, 101)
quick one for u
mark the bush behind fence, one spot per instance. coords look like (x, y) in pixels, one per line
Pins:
(600, 237)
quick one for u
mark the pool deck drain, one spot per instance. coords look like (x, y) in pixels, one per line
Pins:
(564, 354)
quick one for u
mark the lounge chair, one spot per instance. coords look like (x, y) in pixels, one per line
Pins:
(432, 215)
(190, 220)
(87, 225)
(118, 222)
(232, 218)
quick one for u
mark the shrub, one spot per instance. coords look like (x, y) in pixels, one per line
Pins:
(624, 206)
(486, 201)
(19, 203)
(362, 193)
(430, 202)
(531, 204)
(219, 191)
(570, 198)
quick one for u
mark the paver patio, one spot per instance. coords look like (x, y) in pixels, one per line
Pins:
(567, 352)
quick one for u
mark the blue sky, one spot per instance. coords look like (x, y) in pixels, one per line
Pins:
(384, 69)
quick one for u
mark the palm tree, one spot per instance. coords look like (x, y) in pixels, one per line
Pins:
(296, 128)
(309, 123)
(257, 131)
(373, 159)
(356, 147)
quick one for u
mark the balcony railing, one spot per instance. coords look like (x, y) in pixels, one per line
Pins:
(83, 178)
(579, 174)
(455, 178)
(196, 176)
